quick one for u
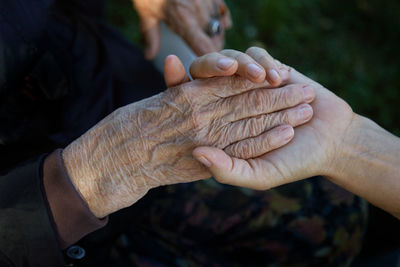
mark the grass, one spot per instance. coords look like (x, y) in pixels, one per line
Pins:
(351, 47)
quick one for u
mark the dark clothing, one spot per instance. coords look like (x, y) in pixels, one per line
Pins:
(72, 217)
(27, 237)
(307, 223)
(61, 71)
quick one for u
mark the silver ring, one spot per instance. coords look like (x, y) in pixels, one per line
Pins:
(213, 28)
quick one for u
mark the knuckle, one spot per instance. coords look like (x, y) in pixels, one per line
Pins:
(287, 117)
(263, 58)
(267, 143)
(280, 117)
(183, 98)
(218, 134)
(258, 53)
(228, 51)
(231, 150)
(252, 49)
(258, 100)
(184, 92)
(252, 127)
(238, 82)
(213, 55)
(271, 100)
(242, 58)
(241, 150)
(266, 122)
(291, 95)
(196, 120)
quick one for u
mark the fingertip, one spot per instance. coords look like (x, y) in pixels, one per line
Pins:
(170, 58)
(225, 63)
(284, 73)
(306, 112)
(174, 71)
(214, 158)
(308, 93)
(286, 133)
(274, 77)
(226, 66)
(255, 73)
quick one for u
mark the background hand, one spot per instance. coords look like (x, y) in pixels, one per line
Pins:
(187, 18)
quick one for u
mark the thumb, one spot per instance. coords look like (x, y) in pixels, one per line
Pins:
(174, 71)
(150, 28)
(225, 169)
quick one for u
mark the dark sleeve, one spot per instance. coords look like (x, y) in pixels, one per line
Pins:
(27, 237)
(21, 26)
(72, 217)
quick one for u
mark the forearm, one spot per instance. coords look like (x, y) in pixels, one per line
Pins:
(368, 164)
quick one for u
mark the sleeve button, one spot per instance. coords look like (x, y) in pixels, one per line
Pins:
(76, 252)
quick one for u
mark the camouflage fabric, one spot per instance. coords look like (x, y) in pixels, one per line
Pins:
(308, 223)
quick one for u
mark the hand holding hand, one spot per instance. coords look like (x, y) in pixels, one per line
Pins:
(188, 18)
(350, 150)
(256, 65)
(150, 143)
(311, 152)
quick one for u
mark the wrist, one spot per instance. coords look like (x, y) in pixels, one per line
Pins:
(367, 164)
(346, 149)
(358, 145)
(81, 176)
(106, 163)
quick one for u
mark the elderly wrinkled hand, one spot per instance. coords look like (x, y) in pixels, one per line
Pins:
(149, 143)
(188, 18)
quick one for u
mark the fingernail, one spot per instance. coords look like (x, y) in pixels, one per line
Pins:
(308, 93)
(253, 70)
(274, 76)
(225, 63)
(284, 73)
(305, 113)
(286, 133)
(204, 161)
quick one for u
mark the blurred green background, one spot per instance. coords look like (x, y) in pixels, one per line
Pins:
(351, 47)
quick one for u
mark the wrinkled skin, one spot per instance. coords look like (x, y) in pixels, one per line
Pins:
(187, 18)
(150, 143)
(312, 151)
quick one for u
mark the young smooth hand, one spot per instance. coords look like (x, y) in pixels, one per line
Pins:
(348, 149)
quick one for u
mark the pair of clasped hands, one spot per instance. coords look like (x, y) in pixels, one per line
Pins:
(245, 119)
